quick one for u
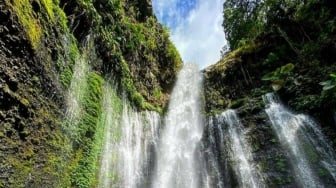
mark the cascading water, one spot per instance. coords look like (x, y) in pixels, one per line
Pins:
(216, 155)
(178, 156)
(139, 135)
(78, 86)
(311, 156)
(129, 146)
(111, 121)
(231, 137)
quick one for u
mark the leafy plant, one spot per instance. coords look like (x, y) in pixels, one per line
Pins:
(278, 77)
(329, 84)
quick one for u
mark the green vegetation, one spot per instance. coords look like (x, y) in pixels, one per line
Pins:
(279, 76)
(66, 64)
(129, 47)
(89, 144)
(329, 84)
(28, 19)
(135, 49)
(49, 5)
(263, 37)
(242, 21)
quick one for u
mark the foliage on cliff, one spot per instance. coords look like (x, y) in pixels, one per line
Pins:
(282, 46)
(288, 45)
(134, 48)
(42, 43)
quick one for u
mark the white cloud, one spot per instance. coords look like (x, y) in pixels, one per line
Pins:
(199, 37)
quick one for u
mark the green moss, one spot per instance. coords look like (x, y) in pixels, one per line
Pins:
(58, 158)
(62, 19)
(238, 103)
(24, 102)
(281, 166)
(322, 172)
(311, 153)
(66, 64)
(28, 18)
(66, 76)
(49, 6)
(83, 172)
(22, 169)
(157, 93)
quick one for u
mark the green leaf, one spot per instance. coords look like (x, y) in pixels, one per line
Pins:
(327, 87)
(333, 76)
(287, 68)
(270, 76)
(328, 82)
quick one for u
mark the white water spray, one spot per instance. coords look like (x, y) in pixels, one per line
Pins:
(111, 119)
(305, 141)
(240, 151)
(139, 134)
(178, 151)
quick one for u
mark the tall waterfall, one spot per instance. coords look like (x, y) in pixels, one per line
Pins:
(312, 157)
(232, 140)
(178, 158)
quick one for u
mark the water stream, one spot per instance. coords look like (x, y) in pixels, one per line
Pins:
(310, 153)
(111, 120)
(232, 140)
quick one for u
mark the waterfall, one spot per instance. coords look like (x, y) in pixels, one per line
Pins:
(178, 156)
(215, 155)
(111, 121)
(232, 140)
(78, 85)
(76, 89)
(130, 142)
(139, 134)
(311, 155)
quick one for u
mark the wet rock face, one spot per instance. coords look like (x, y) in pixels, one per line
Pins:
(35, 71)
(27, 93)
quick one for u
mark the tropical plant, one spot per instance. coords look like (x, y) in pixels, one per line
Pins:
(329, 84)
(279, 76)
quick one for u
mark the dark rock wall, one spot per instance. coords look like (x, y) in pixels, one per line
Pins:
(31, 103)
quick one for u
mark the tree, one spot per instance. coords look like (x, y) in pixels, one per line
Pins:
(242, 20)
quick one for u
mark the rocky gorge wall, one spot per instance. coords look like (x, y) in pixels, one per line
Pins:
(278, 60)
(44, 42)
(41, 42)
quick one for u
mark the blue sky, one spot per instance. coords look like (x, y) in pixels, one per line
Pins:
(195, 27)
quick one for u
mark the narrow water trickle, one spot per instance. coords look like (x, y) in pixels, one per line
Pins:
(111, 119)
(178, 155)
(311, 155)
(78, 86)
